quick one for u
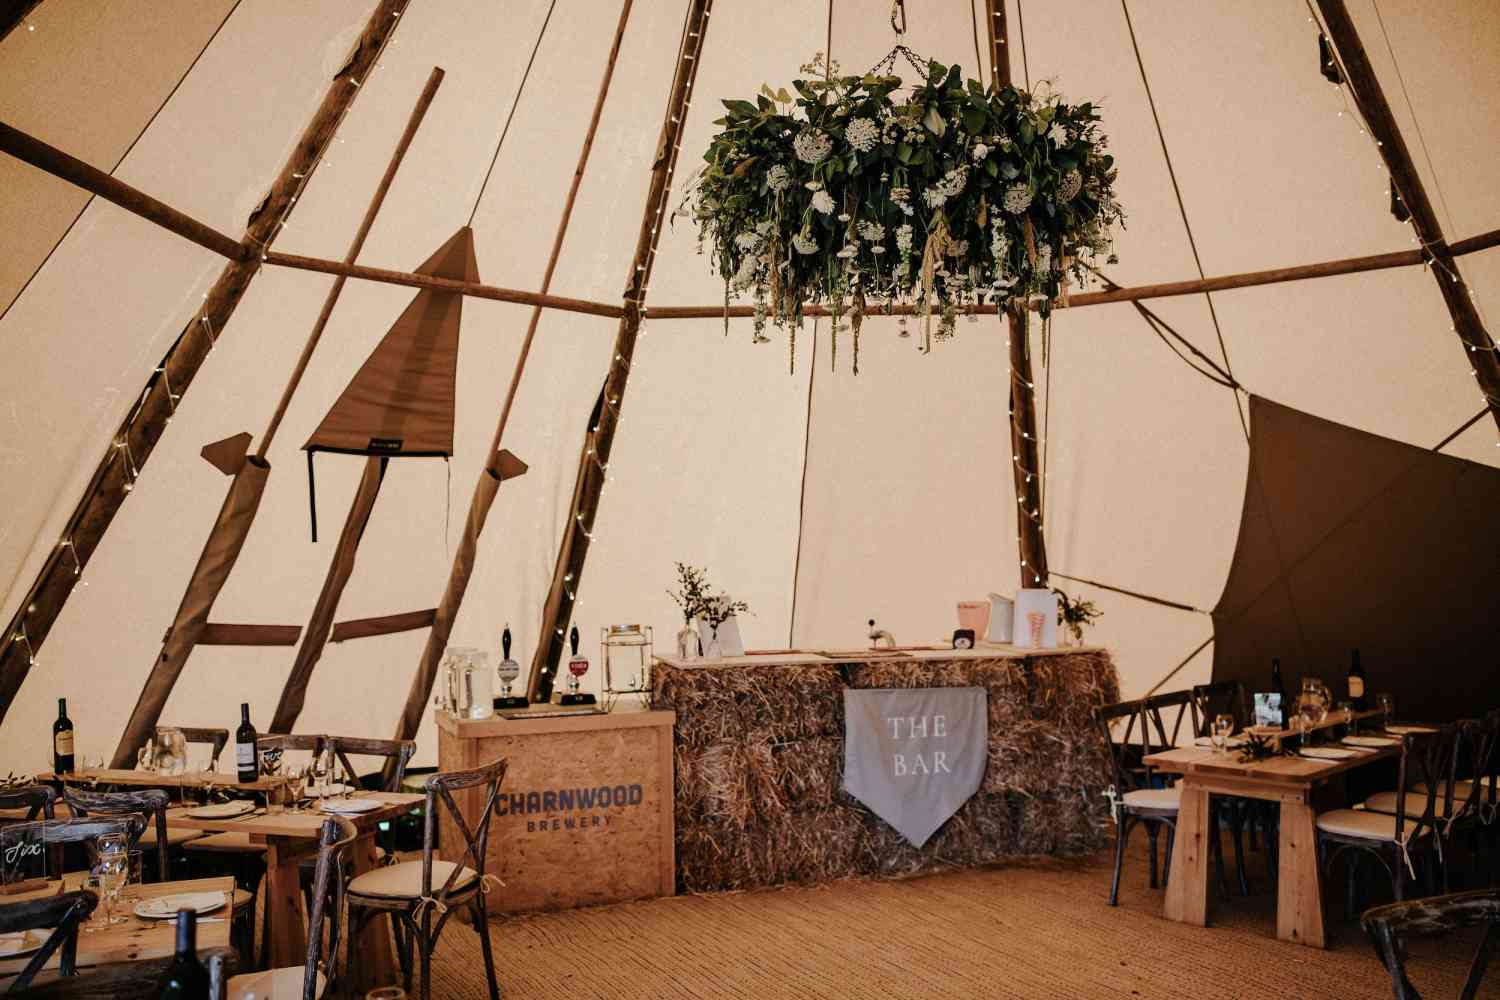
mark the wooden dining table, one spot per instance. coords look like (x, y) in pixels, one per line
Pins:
(289, 838)
(1291, 781)
(138, 938)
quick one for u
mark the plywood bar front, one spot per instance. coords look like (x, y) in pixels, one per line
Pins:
(585, 815)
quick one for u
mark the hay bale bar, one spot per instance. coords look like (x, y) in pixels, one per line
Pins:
(758, 749)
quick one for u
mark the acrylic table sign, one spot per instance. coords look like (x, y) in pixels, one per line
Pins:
(23, 857)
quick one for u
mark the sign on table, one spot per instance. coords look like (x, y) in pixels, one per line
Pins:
(23, 853)
(914, 756)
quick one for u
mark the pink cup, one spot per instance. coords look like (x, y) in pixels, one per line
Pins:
(975, 615)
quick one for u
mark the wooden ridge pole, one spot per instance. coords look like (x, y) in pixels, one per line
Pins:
(1026, 468)
(492, 473)
(134, 440)
(237, 514)
(599, 434)
(1479, 349)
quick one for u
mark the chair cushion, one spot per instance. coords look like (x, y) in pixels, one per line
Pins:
(1154, 798)
(175, 838)
(1416, 802)
(273, 984)
(226, 843)
(1362, 824)
(404, 881)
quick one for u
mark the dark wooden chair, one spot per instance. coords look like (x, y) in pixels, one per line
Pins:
(60, 834)
(216, 739)
(1210, 701)
(311, 979)
(1138, 797)
(422, 895)
(139, 980)
(394, 756)
(60, 916)
(1399, 839)
(39, 801)
(1388, 925)
(149, 802)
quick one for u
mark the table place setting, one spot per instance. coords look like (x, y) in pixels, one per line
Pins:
(20, 943)
(166, 907)
(350, 807)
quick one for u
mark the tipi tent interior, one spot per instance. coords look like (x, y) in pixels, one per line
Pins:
(1292, 462)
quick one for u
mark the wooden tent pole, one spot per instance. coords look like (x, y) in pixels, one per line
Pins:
(139, 432)
(599, 434)
(1479, 349)
(237, 514)
(489, 478)
(54, 161)
(413, 122)
(1026, 469)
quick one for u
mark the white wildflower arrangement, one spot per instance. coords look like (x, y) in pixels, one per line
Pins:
(833, 194)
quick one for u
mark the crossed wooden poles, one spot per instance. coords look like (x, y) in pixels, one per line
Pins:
(249, 472)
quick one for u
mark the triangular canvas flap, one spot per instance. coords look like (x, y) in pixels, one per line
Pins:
(228, 454)
(401, 401)
(505, 465)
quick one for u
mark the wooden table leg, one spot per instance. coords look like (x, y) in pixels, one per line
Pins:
(377, 960)
(1187, 887)
(1299, 891)
(286, 935)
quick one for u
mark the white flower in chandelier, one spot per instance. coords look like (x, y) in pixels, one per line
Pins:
(804, 243)
(979, 152)
(872, 231)
(822, 201)
(935, 196)
(1017, 199)
(1044, 259)
(812, 145)
(862, 134)
(903, 238)
(1069, 186)
(778, 179)
(850, 249)
(1058, 134)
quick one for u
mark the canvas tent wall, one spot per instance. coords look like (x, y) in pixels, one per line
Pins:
(898, 485)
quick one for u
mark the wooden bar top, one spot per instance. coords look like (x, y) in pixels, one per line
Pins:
(788, 657)
(539, 719)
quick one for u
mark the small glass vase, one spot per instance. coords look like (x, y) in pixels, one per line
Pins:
(714, 651)
(687, 642)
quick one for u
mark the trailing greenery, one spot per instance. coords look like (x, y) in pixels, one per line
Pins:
(1076, 615)
(951, 194)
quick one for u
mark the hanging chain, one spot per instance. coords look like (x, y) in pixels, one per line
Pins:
(898, 11)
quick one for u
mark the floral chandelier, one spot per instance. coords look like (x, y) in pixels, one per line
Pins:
(950, 196)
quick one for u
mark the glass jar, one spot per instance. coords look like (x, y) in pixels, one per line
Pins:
(626, 657)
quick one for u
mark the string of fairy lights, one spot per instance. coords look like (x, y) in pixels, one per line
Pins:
(120, 448)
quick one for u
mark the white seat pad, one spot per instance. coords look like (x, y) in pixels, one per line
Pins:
(1154, 798)
(1416, 803)
(273, 984)
(1361, 823)
(404, 881)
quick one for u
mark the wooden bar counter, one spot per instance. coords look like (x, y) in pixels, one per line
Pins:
(585, 815)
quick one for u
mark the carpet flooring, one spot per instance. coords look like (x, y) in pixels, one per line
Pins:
(1038, 930)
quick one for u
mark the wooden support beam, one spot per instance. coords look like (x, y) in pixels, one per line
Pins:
(500, 464)
(473, 288)
(1479, 348)
(599, 434)
(142, 427)
(1275, 276)
(54, 161)
(364, 628)
(219, 634)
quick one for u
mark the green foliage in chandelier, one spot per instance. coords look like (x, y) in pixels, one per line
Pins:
(948, 195)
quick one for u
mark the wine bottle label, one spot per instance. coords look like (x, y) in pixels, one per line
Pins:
(1356, 687)
(63, 743)
(244, 754)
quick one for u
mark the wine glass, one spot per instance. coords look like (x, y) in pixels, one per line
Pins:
(113, 870)
(1386, 703)
(99, 919)
(322, 769)
(1223, 726)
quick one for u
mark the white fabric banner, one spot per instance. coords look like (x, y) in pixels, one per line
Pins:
(915, 755)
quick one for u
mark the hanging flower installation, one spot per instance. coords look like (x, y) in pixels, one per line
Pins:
(952, 195)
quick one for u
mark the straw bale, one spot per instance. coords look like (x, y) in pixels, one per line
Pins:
(778, 702)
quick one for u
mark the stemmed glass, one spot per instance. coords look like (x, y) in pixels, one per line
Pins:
(1223, 727)
(113, 871)
(1387, 705)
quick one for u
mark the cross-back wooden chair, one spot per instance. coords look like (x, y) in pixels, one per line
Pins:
(395, 755)
(34, 802)
(58, 834)
(214, 739)
(1135, 795)
(1407, 834)
(1388, 925)
(318, 973)
(422, 895)
(60, 916)
(1210, 701)
(149, 802)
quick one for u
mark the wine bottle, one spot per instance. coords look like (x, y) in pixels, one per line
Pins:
(1356, 682)
(246, 753)
(62, 740)
(185, 978)
(1278, 688)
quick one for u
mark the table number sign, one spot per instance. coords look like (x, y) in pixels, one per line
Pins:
(23, 856)
(914, 756)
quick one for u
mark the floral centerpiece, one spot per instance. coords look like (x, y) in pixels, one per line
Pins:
(1075, 614)
(949, 195)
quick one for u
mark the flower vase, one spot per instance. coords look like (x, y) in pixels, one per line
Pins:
(687, 642)
(714, 651)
